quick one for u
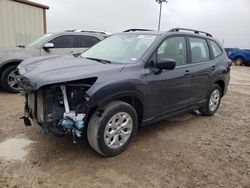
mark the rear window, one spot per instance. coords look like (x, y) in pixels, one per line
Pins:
(199, 49)
(215, 48)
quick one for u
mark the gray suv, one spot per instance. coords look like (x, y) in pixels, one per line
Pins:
(126, 81)
(68, 42)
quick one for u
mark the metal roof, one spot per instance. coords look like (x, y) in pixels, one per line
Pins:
(32, 4)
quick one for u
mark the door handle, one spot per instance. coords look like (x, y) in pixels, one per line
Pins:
(187, 73)
(213, 68)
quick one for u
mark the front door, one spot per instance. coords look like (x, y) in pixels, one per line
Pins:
(168, 90)
(64, 44)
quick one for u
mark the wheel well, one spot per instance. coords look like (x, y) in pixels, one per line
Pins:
(9, 64)
(239, 56)
(137, 105)
(133, 101)
(221, 83)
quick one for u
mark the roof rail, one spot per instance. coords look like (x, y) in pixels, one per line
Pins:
(94, 31)
(195, 31)
(70, 30)
(88, 31)
(132, 30)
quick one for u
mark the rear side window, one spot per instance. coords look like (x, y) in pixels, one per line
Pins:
(87, 41)
(215, 48)
(199, 50)
(64, 41)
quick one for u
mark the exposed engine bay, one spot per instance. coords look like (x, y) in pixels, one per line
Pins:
(59, 109)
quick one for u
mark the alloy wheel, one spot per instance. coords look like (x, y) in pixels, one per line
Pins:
(214, 100)
(118, 130)
(12, 80)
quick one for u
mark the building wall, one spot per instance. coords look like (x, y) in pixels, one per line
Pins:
(19, 23)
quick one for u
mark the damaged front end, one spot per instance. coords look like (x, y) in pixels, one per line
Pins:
(60, 108)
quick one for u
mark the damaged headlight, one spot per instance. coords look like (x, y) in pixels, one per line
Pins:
(60, 108)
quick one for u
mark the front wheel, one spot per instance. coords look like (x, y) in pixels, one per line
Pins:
(212, 102)
(110, 132)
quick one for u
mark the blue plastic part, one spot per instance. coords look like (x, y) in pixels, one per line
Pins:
(70, 124)
(67, 124)
(79, 125)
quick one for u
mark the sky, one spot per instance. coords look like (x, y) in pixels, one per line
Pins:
(226, 20)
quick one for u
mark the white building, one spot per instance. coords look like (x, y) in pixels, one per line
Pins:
(21, 21)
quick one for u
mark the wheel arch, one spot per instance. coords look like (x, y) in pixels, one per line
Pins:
(239, 56)
(10, 63)
(221, 83)
(131, 98)
(136, 104)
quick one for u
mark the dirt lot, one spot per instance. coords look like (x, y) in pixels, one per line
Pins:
(187, 151)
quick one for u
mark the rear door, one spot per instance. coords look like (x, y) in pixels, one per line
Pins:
(202, 67)
(86, 41)
(168, 90)
(63, 44)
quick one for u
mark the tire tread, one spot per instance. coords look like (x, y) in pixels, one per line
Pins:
(95, 123)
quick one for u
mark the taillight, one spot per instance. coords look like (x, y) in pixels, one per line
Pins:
(230, 62)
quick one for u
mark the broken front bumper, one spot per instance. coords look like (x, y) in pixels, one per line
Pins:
(54, 111)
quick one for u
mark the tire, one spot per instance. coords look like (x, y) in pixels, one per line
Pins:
(103, 127)
(8, 78)
(239, 61)
(214, 96)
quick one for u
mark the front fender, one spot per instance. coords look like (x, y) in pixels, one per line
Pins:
(10, 61)
(103, 95)
(16, 58)
(17, 55)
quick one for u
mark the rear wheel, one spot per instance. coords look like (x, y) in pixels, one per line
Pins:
(239, 61)
(110, 133)
(213, 101)
(9, 79)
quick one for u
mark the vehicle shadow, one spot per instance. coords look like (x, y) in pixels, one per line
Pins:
(2, 91)
(170, 124)
(55, 147)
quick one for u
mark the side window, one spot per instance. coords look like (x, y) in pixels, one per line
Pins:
(64, 41)
(215, 48)
(87, 41)
(173, 48)
(199, 49)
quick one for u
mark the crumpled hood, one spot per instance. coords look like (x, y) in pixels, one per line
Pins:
(57, 69)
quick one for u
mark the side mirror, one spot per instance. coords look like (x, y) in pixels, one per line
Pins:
(165, 63)
(48, 46)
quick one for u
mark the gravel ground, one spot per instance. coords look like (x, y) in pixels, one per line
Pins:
(186, 151)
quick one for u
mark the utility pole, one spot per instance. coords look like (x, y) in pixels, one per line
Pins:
(160, 2)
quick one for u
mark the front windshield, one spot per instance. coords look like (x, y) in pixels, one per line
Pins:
(123, 48)
(37, 41)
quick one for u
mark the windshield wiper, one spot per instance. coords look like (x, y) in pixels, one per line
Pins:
(99, 60)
